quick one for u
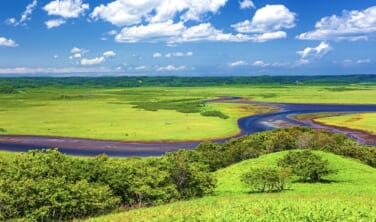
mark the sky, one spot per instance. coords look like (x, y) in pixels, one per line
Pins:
(187, 37)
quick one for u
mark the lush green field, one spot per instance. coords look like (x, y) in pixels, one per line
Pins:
(152, 113)
(359, 121)
(115, 114)
(349, 196)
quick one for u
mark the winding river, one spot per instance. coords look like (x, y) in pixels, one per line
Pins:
(248, 125)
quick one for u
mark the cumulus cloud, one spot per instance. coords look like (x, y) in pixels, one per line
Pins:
(270, 18)
(246, 4)
(171, 68)
(53, 23)
(151, 32)
(315, 52)
(7, 42)
(206, 32)
(176, 33)
(109, 54)
(351, 25)
(167, 21)
(93, 61)
(25, 15)
(269, 36)
(128, 12)
(238, 63)
(66, 8)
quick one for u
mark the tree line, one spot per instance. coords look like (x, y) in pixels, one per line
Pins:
(174, 81)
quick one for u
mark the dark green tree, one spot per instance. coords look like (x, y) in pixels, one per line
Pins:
(266, 179)
(190, 176)
(306, 165)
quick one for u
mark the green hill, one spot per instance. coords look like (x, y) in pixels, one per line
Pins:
(350, 195)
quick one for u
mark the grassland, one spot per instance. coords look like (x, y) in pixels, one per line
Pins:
(360, 121)
(125, 113)
(349, 196)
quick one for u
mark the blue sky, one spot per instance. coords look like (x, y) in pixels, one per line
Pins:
(187, 37)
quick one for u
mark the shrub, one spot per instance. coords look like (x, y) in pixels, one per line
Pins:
(214, 113)
(191, 177)
(306, 165)
(47, 186)
(266, 179)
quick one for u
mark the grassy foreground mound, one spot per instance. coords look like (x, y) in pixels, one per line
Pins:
(349, 195)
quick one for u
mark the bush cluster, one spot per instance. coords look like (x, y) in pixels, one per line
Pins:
(218, 155)
(47, 185)
(214, 113)
(267, 179)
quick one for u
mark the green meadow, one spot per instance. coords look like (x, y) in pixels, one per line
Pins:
(348, 195)
(153, 113)
(360, 121)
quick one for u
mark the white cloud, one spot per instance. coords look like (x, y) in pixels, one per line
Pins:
(260, 63)
(109, 54)
(179, 54)
(351, 62)
(270, 18)
(65, 70)
(315, 52)
(351, 25)
(112, 32)
(177, 33)
(54, 23)
(238, 63)
(152, 32)
(28, 11)
(11, 21)
(77, 56)
(25, 15)
(157, 55)
(128, 12)
(94, 61)
(363, 61)
(66, 8)
(171, 68)
(7, 42)
(269, 36)
(140, 68)
(76, 50)
(206, 32)
(246, 4)
(124, 12)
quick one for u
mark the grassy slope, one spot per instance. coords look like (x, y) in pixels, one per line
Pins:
(350, 197)
(108, 113)
(360, 121)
